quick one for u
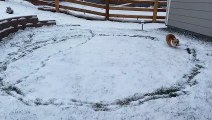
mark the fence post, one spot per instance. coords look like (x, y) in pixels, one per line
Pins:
(155, 11)
(57, 6)
(107, 5)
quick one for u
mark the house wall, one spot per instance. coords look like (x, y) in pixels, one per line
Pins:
(191, 15)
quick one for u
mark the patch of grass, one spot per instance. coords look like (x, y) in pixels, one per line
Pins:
(188, 50)
(123, 102)
(3, 67)
(195, 71)
(193, 53)
(173, 94)
(12, 88)
(165, 91)
(38, 101)
(99, 107)
(22, 100)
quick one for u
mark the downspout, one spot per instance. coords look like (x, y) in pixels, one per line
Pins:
(167, 13)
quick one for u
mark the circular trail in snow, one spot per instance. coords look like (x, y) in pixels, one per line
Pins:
(67, 62)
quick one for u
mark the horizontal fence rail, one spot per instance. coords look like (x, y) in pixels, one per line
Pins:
(86, 3)
(82, 10)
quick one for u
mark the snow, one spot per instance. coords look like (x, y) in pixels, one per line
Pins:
(81, 69)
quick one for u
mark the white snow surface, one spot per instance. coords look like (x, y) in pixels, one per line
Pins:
(81, 69)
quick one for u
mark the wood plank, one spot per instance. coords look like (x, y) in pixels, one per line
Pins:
(57, 5)
(155, 11)
(131, 8)
(107, 10)
(82, 10)
(23, 22)
(8, 24)
(137, 1)
(131, 16)
(161, 9)
(27, 17)
(161, 17)
(8, 31)
(136, 9)
(41, 2)
(162, 3)
(12, 25)
(86, 3)
(52, 22)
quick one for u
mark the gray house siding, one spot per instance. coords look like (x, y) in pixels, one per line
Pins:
(191, 15)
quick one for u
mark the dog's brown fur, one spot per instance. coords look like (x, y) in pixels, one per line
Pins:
(172, 41)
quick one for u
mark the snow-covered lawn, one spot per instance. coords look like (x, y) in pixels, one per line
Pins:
(82, 69)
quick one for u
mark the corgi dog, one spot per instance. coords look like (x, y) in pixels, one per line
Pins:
(172, 41)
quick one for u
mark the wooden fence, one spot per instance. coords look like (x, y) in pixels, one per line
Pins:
(12, 25)
(108, 8)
